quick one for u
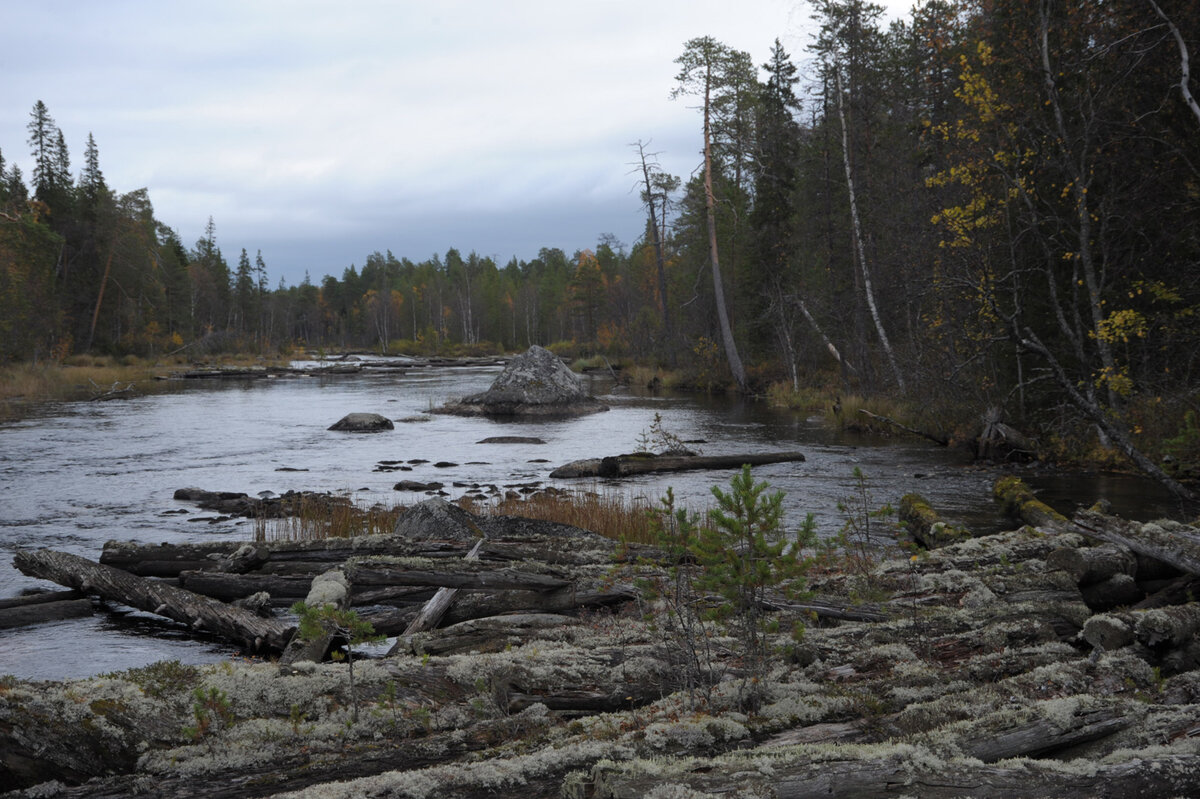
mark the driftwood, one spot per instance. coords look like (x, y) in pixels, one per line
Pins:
(436, 608)
(647, 463)
(198, 612)
(456, 574)
(42, 607)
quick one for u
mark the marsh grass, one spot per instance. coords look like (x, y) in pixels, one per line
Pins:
(26, 386)
(611, 515)
(316, 517)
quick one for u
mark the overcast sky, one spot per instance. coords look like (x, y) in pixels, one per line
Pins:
(321, 132)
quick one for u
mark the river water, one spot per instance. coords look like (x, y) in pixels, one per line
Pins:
(81, 474)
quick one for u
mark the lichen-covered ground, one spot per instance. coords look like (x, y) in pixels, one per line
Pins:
(977, 682)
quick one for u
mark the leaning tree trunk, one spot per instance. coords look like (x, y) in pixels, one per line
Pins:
(868, 288)
(727, 340)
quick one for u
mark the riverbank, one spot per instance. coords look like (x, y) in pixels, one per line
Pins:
(25, 388)
(988, 667)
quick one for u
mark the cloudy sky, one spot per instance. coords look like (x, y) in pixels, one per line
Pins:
(319, 132)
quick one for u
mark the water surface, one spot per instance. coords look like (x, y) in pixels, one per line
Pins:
(85, 473)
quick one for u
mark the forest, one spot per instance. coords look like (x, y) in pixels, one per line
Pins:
(991, 204)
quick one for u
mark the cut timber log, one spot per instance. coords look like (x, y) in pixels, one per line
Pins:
(1171, 627)
(198, 612)
(1120, 590)
(1170, 542)
(646, 463)
(455, 575)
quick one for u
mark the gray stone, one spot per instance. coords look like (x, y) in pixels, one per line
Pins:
(436, 519)
(363, 423)
(535, 383)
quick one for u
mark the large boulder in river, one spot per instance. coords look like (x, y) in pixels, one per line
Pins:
(363, 423)
(535, 383)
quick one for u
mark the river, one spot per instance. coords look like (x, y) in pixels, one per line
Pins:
(79, 474)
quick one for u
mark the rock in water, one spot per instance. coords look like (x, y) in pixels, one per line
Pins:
(363, 423)
(535, 383)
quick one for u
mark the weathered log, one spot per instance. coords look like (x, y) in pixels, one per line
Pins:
(455, 575)
(39, 612)
(38, 598)
(492, 634)
(164, 560)
(647, 463)
(228, 587)
(198, 612)
(1094, 564)
(1109, 631)
(1174, 592)
(1018, 501)
(1171, 542)
(926, 526)
(941, 441)
(436, 607)
(1120, 590)
(994, 737)
(907, 771)
(1171, 626)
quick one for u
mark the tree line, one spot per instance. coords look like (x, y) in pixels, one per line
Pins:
(993, 201)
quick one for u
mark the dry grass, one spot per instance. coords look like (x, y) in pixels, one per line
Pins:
(319, 516)
(611, 515)
(25, 386)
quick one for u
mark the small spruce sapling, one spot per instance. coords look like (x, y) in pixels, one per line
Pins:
(342, 623)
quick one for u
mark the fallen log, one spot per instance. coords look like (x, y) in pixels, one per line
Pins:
(39, 612)
(198, 612)
(455, 575)
(228, 587)
(164, 560)
(926, 526)
(1094, 564)
(1120, 590)
(1018, 501)
(647, 463)
(492, 634)
(908, 771)
(1171, 542)
(435, 608)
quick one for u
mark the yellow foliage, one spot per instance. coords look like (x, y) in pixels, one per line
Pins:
(1122, 325)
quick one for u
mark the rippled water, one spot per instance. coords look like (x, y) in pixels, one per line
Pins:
(89, 472)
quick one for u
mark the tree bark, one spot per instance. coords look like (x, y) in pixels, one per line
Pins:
(865, 270)
(727, 340)
(198, 612)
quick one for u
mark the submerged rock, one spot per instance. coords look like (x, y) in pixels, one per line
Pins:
(535, 383)
(363, 423)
